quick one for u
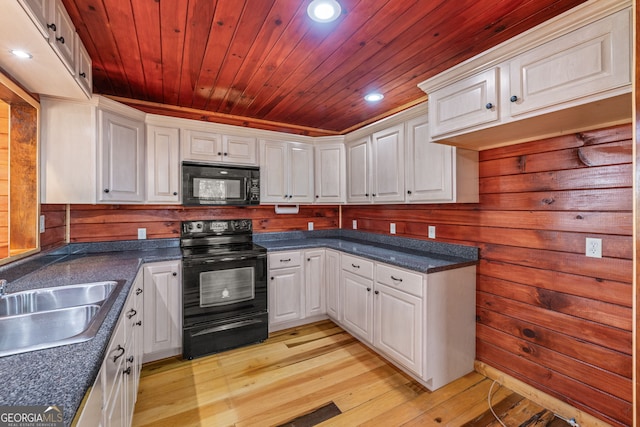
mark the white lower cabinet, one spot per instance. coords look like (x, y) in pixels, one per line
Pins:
(162, 310)
(399, 319)
(315, 301)
(332, 284)
(357, 297)
(285, 288)
(296, 288)
(423, 323)
(112, 398)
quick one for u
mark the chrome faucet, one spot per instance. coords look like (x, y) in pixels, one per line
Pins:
(3, 284)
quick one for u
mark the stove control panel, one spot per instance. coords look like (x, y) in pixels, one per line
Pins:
(227, 226)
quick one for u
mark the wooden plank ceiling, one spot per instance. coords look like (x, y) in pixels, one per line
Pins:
(265, 64)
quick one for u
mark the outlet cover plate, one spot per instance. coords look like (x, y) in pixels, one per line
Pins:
(431, 232)
(142, 233)
(392, 228)
(593, 248)
(42, 223)
(310, 225)
(354, 224)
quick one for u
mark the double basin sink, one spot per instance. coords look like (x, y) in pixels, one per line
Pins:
(49, 317)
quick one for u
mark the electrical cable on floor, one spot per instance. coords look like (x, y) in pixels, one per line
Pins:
(571, 421)
(491, 407)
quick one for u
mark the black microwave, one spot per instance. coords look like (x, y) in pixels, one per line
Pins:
(208, 184)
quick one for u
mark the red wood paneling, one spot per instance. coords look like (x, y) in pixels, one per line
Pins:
(95, 223)
(547, 314)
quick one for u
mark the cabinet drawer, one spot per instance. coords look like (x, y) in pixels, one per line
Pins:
(359, 266)
(284, 259)
(399, 279)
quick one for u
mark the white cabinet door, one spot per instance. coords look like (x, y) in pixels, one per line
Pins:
(163, 165)
(273, 172)
(286, 175)
(39, 11)
(330, 178)
(429, 166)
(332, 285)
(466, 103)
(388, 165)
(358, 171)
(62, 36)
(357, 316)
(588, 60)
(239, 149)
(201, 146)
(84, 73)
(398, 326)
(205, 146)
(300, 167)
(314, 282)
(285, 295)
(162, 310)
(120, 159)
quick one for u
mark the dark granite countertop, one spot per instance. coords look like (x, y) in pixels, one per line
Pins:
(61, 375)
(413, 254)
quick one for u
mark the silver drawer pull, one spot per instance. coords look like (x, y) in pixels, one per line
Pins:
(286, 260)
(355, 266)
(395, 279)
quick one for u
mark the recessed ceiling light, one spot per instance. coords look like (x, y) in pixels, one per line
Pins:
(373, 97)
(21, 53)
(324, 10)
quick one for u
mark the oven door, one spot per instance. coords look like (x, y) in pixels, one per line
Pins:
(219, 288)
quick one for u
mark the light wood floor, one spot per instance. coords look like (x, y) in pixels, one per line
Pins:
(300, 370)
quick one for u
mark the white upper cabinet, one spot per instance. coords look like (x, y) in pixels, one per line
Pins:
(330, 173)
(587, 61)
(39, 11)
(286, 175)
(387, 159)
(568, 74)
(163, 165)
(62, 35)
(120, 158)
(470, 102)
(437, 173)
(240, 150)
(84, 73)
(358, 186)
(106, 141)
(214, 147)
(375, 167)
(60, 65)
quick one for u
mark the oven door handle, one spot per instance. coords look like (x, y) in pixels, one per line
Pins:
(200, 261)
(227, 326)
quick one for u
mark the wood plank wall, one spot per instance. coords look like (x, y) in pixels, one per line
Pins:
(95, 223)
(546, 314)
(23, 189)
(4, 179)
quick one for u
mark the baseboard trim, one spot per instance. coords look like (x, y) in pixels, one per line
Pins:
(543, 399)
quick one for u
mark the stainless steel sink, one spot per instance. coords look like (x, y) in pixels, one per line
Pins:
(51, 317)
(54, 298)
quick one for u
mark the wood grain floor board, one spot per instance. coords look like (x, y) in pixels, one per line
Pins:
(300, 370)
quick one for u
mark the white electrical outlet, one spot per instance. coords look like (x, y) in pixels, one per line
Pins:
(142, 233)
(431, 232)
(392, 228)
(310, 226)
(593, 248)
(42, 223)
(354, 224)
